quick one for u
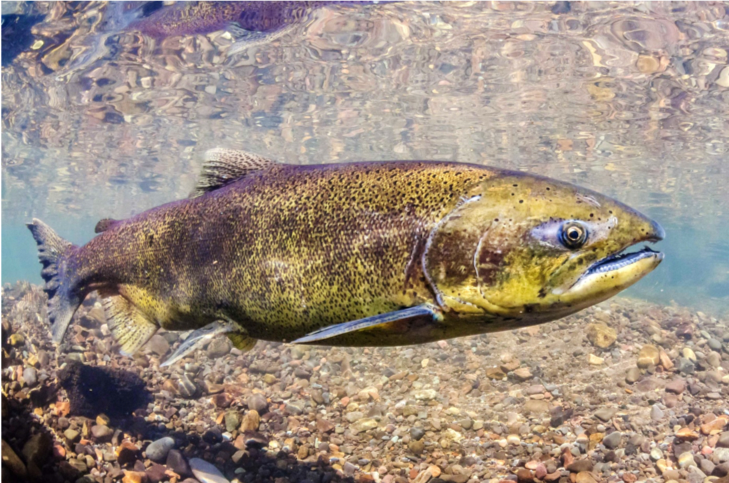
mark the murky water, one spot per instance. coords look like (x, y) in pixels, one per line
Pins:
(103, 116)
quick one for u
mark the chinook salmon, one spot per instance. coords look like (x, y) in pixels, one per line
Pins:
(361, 254)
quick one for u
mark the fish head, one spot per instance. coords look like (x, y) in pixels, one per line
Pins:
(530, 249)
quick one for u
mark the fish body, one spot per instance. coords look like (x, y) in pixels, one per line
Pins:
(360, 254)
(189, 18)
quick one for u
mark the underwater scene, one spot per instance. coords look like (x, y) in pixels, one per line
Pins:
(365, 242)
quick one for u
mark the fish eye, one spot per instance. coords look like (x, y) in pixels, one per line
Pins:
(573, 235)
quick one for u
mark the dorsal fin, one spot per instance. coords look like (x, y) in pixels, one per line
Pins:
(104, 225)
(224, 166)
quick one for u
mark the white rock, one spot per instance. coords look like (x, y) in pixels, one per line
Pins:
(206, 472)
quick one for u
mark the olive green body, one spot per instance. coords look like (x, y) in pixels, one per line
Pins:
(287, 250)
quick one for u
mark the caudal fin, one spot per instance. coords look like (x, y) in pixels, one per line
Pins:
(62, 299)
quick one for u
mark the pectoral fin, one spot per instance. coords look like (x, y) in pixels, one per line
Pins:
(400, 322)
(199, 337)
(129, 326)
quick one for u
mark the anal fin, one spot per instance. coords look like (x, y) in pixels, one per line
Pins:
(129, 326)
(400, 321)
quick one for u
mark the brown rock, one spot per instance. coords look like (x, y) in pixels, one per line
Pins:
(324, 426)
(417, 447)
(715, 426)
(134, 477)
(687, 434)
(665, 362)
(677, 386)
(580, 466)
(648, 356)
(523, 475)
(600, 335)
(251, 421)
(585, 477)
(127, 453)
(554, 476)
(495, 373)
(536, 406)
(523, 373)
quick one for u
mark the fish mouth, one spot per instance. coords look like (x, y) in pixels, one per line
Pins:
(621, 260)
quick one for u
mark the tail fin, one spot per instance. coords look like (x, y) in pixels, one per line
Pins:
(62, 299)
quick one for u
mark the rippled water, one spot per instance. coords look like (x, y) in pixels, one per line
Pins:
(103, 118)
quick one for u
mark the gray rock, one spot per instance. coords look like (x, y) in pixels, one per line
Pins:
(612, 440)
(632, 375)
(714, 360)
(721, 454)
(206, 472)
(656, 413)
(30, 376)
(157, 345)
(158, 450)
(417, 433)
(715, 344)
(258, 402)
(101, 433)
(605, 414)
(685, 366)
(176, 462)
(723, 440)
(218, 347)
(707, 466)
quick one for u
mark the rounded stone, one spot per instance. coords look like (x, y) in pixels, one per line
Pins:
(158, 450)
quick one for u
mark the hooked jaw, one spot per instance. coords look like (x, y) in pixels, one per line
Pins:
(619, 270)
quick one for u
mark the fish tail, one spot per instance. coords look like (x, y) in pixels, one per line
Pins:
(63, 299)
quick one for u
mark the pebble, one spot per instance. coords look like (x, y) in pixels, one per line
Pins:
(158, 450)
(176, 462)
(605, 414)
(30, 376)
(158, 345)
(425, 394)
(595, 360)
(102, 434)
(206, 472)
(258, 403)
(612, 440)
(218, 347)
(686, 459)
(677, 386)
(251, 421)
(648, 356)
(723, 441)
(632, 375)
(656, 413)
(600, 335)
(417, 433)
